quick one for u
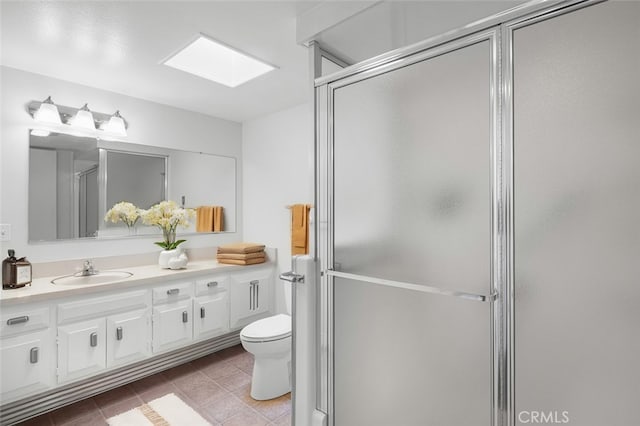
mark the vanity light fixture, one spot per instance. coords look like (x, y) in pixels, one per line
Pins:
(47, 112)
(215, 61)
(115, 125)
(63, 119)
(83, 118)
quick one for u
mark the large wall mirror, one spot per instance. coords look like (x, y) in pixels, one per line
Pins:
(74, 181)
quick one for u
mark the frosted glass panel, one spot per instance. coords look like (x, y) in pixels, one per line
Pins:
(412, 203)
(412, 173)
(408, 358)
(577, 216)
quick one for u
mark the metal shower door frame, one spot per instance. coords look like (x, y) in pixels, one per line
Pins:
(498, 30)
(325, 187)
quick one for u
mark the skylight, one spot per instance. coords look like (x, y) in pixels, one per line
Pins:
(214, 61)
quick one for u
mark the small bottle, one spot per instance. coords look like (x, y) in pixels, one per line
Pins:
(16, 273)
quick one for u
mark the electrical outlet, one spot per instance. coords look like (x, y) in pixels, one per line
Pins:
(5, 232)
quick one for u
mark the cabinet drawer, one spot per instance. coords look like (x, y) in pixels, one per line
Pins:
(23, 321)
(172, 292)
(212, 285)
(102, 306)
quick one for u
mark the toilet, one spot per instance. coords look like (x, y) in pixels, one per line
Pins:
(269, 340)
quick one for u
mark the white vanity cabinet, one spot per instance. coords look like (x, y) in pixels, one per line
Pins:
(251, 296)
(88, 340)
(27, 351)
(172, 316)
(211, 307)
(102, 332)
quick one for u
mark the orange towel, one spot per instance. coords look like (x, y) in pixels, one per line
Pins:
(241, 248)
(204, 219)
(300, 228)
(218, 219)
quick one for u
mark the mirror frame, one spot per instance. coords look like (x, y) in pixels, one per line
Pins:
(103, 178)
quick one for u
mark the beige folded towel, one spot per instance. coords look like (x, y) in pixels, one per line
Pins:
(242, 262)
(244, 256)
(241, 248)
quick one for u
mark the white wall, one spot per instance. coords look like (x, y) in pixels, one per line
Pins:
(277, 155)
(149, 124)
(43, 199)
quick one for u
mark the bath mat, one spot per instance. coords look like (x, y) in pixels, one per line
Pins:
(168, 410)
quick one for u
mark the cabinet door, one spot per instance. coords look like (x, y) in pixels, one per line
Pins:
(172, 325)
(262, 295)
(128, 337)
(211, 316)
(250, 297)
(81, 349)
(28, 364)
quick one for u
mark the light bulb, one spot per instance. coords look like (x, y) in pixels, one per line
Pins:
(116, 125)
(83, 119)
(48, 112)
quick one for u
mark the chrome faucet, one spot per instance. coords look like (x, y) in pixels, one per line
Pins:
(88, 269)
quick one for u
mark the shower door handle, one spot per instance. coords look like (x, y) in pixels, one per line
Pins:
(414, 287)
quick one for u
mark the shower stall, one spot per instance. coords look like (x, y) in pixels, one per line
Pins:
(478, 225)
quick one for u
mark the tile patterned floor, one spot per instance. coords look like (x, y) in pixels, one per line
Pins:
(216, 386)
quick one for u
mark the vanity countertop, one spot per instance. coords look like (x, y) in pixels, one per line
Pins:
(41, 289)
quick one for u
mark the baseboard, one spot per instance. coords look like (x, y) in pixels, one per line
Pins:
(41, 403)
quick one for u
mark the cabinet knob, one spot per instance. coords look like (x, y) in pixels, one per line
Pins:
(212, 284)
(185, 316)
(201, 312)
(93, 339)
(173, 291)
(18, 320)
(119, 333)
(33, 355)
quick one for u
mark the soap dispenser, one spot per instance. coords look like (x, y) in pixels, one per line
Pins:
(16, 273)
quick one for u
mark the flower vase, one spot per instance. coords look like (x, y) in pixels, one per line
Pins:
(132, 230)
(165, 256)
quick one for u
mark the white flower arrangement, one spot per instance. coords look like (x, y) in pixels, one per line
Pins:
(125, 212)
(167, 216)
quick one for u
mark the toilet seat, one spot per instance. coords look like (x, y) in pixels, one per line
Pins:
(269, 329)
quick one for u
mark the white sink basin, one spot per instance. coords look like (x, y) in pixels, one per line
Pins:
(99, 278)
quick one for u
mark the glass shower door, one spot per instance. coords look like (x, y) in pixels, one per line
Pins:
(412, 242)
(577, 217)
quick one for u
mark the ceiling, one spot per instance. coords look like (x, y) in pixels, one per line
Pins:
(119, 45)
